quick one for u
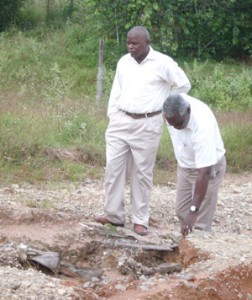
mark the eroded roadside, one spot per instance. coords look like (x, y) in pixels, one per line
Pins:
(118, 264)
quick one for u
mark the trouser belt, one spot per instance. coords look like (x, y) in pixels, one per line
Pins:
(140, 116)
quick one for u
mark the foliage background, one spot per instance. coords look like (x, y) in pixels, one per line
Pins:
(51, 127)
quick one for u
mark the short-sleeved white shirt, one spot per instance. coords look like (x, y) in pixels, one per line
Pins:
(199, 144)
(142, 88)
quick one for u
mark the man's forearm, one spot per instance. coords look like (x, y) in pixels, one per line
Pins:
(201, 186)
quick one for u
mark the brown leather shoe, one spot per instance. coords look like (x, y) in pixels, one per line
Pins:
(103, 220)
(140, 229)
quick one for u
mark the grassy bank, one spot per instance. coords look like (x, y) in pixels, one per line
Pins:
(52, 130)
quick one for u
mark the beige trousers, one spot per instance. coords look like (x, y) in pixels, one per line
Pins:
(131, 146)
(186, 179)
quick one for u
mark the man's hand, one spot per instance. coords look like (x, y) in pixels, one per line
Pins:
(188, 224)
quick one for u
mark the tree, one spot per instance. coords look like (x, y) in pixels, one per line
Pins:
(9, 12)
(209, 28)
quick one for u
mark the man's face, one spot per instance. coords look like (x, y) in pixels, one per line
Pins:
(138, 46)
(178, 121)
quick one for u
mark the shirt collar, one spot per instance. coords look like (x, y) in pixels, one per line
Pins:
(151, 55)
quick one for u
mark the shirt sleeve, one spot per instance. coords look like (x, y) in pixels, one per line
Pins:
(178, 79)
(205, 147)
(114, 95)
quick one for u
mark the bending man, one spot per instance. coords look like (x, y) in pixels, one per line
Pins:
(200, 155)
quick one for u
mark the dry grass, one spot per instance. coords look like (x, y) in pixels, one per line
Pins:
(234, 117)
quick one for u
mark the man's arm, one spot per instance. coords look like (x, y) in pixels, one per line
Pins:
(179, 80)
(114, 96)
(185, 88)
(201, 185)
(199, 194)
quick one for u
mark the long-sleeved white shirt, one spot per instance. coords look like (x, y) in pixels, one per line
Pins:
(142, 88)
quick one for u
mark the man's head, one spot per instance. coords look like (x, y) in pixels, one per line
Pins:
(177, 111)
(138, 41)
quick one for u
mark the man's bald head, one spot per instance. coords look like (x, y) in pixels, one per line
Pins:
(138, 40)
(140, 31)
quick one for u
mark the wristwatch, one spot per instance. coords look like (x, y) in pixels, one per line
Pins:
(193, 208)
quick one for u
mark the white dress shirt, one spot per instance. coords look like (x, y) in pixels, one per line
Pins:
(142, 88)
(199, 144)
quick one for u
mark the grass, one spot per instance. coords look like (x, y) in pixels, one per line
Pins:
(29, 133)
(236, 130)
(52, 129)
(44, 203)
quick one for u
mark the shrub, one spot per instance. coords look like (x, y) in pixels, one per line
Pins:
(223, 87)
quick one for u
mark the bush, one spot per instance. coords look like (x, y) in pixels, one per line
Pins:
(224, 87)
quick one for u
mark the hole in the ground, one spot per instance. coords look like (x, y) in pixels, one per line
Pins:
(93, 258)
(94, 262)
(127, 257)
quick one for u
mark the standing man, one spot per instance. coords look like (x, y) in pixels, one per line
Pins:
(144, 79)
(200, 155)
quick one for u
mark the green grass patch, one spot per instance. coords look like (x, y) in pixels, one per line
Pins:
(52, 129)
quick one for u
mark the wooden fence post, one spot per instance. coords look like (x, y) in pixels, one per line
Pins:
(100, 74)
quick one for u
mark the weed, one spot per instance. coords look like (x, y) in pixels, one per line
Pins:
(44, 204)
(110, 230)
